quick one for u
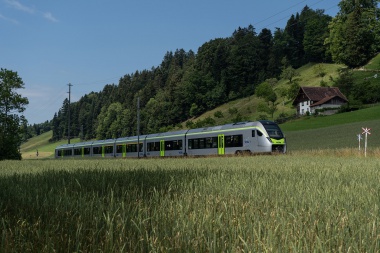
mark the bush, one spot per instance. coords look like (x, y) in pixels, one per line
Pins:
(218, 114)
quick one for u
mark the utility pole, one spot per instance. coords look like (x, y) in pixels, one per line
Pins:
(138, 127)
(68, 127)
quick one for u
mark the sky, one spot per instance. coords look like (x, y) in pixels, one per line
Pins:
(93, 43)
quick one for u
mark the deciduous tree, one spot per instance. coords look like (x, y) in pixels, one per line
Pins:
(11, 105)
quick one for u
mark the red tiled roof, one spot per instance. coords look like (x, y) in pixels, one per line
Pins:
(319, 95)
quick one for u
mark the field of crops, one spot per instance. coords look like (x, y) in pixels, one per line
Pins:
(305, 202)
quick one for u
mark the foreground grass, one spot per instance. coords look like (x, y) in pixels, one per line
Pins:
(300, 202)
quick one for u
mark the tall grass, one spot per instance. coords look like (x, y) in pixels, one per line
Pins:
(233, 204)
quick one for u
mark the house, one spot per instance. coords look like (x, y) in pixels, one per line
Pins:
(325, 100)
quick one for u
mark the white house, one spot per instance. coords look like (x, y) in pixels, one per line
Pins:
(310, 99)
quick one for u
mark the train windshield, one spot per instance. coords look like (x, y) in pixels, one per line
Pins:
(274, 131)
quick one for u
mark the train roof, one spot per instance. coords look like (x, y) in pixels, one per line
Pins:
(167, 134)
(224, 127)
(81, 144)
(108, 141)
(65, 146)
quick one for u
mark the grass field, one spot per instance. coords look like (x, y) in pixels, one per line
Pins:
(280, 203)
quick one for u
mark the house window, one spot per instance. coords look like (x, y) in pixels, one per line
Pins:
(303, 111)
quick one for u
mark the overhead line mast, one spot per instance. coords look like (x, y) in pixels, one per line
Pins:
(68, 126)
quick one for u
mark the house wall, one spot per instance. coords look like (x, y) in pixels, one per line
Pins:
(334, 103)
(326, 112)
(303, 107)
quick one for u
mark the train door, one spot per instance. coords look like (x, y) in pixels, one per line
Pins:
(124, 150)
(221, 144)
(162, 148)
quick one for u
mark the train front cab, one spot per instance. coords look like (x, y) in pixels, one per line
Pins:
(275, 135)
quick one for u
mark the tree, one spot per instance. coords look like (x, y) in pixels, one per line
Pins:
(289, 73)
(316, 32)
(110, 122)
(11, 105)
(265, 90)
(354, 32)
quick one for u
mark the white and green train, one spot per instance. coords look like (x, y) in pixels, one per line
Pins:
(245, 137)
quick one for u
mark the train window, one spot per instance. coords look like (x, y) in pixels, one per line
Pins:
(191, 142)
(67, 152)
(173, 145)
(274, 131)
(259, 133)
(177, 145)
(86, 151)
(253, 133)
(97, 150)
(152, 146)
(108, 149)
(168, 145)
(233, 141)
(119, 149)
(77, 151)
(209, 142)
(195, 143)
(131, 148)
(202, 143)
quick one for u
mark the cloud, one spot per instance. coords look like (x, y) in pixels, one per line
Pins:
(8, 19)
(21, 7)
(17, 5)
(50, 17)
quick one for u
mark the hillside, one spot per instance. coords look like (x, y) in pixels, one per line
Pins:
(248, 107)
(336, 131)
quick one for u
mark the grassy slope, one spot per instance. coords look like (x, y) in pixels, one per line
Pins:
(42, 144)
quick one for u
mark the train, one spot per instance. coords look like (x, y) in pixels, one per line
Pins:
(261, 136)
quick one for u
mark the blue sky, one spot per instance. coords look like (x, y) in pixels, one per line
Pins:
(93, 43)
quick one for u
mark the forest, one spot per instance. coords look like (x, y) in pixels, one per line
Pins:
(187, 84)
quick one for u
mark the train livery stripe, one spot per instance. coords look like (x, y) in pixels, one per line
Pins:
(229, 130)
